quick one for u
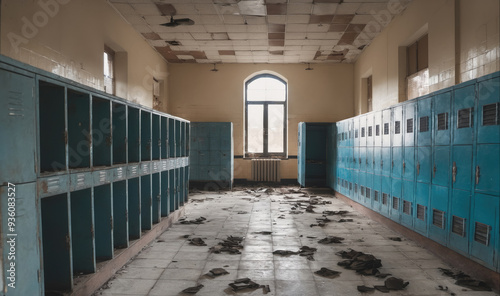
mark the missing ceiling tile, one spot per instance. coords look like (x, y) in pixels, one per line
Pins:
(166, 9)
(173, 42)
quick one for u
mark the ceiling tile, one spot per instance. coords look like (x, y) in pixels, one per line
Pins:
(205, 8)
(234, 20)
(237, 36)
(185, 8)
(276, 35)
(294, 42)
(155, 43)
(320, 19)
(372, 8)
(276, 19)
(324, 8)
(317, 28)
(255, 20)
(226, 52)
(236, 28)
(276, 28)
(252, 8)
(342, 18)
(166, 9)
(257, 28)
(135, 20)
(334, 35)
(355, 28)
(276, 52)
(257, 36)
(276, 9)
(146, 9)
(220, 36)
(362, 19)
(297, 19)
(273, 1)
(328, 1)
(258, 42)
(316, 36)
(296, 28)
(243, 53)
(215, 28)
(337, 28)
(299, 8)
(202, 36)
(295, 36)
(276, 42)
(156, 19)
(259, 47)
(211, 19)
(228, 9)
(151, 36)
(347, 8)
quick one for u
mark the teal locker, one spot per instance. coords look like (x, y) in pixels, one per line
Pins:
(377, 129)
(438, 214)
(386, 196)
(459, 221)
(441, 165)
(425, 127)
(119, 133)
(78, 127)
(397, 162)
(370, 132)
(487, 170)
(421, 214)
(82, 225)
(395, 200)
(442, 118)
(463, 113)
(484, 226)
(134, 208)
(101, 132)
(103, 221)
(488, 110)
(134, 136)
(386, 128)
(386, 162)
(156, 197)
(397, 126)
(423, 166)
(156, 137)
(409, 163)
(409, 123)
(120, 214)
(461, 167)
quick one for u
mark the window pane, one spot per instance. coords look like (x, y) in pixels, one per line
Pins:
(255, 128)
(275, 135)
(266, 89)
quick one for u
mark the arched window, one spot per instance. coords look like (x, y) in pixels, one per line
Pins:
(265, 116)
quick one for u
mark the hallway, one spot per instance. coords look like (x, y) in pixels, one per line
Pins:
(171, 263)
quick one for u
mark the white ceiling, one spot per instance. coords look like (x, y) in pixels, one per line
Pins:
(260, 31)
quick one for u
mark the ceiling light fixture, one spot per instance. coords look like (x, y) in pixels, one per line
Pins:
(309, 67)
(214, 69)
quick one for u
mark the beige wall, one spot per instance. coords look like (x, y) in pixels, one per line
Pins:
(471, 35)
(322, 95)
(67, 37)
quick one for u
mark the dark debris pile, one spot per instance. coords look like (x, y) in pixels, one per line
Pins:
(248, 284)
(200, 220)
(304, 251)
(231, 245)
(465, 280)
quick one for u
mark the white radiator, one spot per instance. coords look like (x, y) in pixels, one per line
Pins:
(267, 170)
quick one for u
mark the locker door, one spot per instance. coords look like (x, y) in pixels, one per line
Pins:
(377, 129)
(396, 200)
(351, 132)
(302, 154)
(442, 118)
(362, 131)
(459, 220)
(462, 167)
(356, 159)
(355, 185)
(356, 131)
(484, 228)
(370, 130)
(487, 170)
(441, 165)
(409, 124)
(438, 214)
(362, 186)
(409, 163)
(377, 160)
(386, 161)
(423, 166)
(397, 162)
(397, 126)
(362, 159)
(408, 203)
(463, 114)
(386, 127)
(424, 122)
(377, 192)
(421, 216)
(369, 160)
(369, 190)
(18, 128)
(488, 111)
(386, 195)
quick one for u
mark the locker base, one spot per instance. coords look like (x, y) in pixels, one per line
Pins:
(447, 255)
(88, 284)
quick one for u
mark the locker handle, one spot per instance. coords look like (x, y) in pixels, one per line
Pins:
(381, 163)
(478, 173)
(393, 163)
(418, 168)
(454, 172)
(404, 167)
(360, 160)
(434, 172)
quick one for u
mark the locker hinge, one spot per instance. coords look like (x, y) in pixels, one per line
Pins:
(434, 172)
(454, 171)
(158, 197)
(39, 275)
(65, 137)
(126, 215)
(418, 168)
(108, 141)
(478, 173)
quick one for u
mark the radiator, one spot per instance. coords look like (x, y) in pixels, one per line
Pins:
(267, 170)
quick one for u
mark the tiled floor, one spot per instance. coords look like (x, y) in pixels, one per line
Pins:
(171, 264)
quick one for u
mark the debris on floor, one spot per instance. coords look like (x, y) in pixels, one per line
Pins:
(464, 280)
(263, 232)
(328, 273)
(332, 213)
(365, 264)
(364, 289)
(200, 220)
(331, 240)
(396, 239)
(285, 252)
(244, 283)
(345, 220)
(231, 245)
(197, 242)
(307, 252)
(193, 290)
(391, 283)
(216, 272)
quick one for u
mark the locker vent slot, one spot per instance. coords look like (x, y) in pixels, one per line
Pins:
(356, 134)
(442, 121)
(350, 134)
(438, 218)
(409, 126)
(491, 114)
(362, 190)
(395, 203)
(362, 132)
(465, 118)
(482, 233)
(407, 207)
(458, 226)
(421, 212)
(369, 131)
(397, 127)
(377, 130)
(386, 128)
(350, 186)
(375, 195)
(424, 124)
(338, 181)
(356, 188)
(368, 192)
(385, 198)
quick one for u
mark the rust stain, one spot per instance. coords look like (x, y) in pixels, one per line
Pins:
(45, 187)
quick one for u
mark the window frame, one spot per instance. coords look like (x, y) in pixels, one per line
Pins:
(111, 60)
(265, 104)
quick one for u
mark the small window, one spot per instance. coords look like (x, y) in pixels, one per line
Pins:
(362, 190)
(356, 188)
(386, 128)
(368, 192)
(369, 94)
(482, 233)
(108, 68)
(369, 131)
(438, 218)
(377, 130)
(362, 132)
(350, 185)
(458, 226)
(424, 124)
(407, 207)
(385, 198)
(397, 127)
(409, 125)
(375, 195)
(356, 134)
(395, 203)
(442, 121)
(464, 118)
(421, 212)
(491, 114)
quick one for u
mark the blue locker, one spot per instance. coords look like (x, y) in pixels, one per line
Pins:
(362, 131)
(395, 200)
(369, 161)
(459, 220)
(488, 110)
(146, 203)
(484, 226)
(370, 130)
(356, 158)
(134, 138)
(355, 185)
(377, 192)
(438, 214)
(386, 162)
(461, 167)
(408, 203)
(350, 125)
(421, 214)
(424, 122)
(442, 118)
(377, 129)
(301, 153)
(368, 190)
(146, 134)
(362, 187)
(82, 222)
(463, 113)
(156, 197)
(409, 163)
(385, 201)
(397, 126)
(441, 165)
(103, 222)
(377, 160)
(487, 170)
(409, 123)
(386, 128)
(120, 214)
(397, 162)
(423, 165)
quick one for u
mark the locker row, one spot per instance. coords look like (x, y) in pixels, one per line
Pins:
(431, 164)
